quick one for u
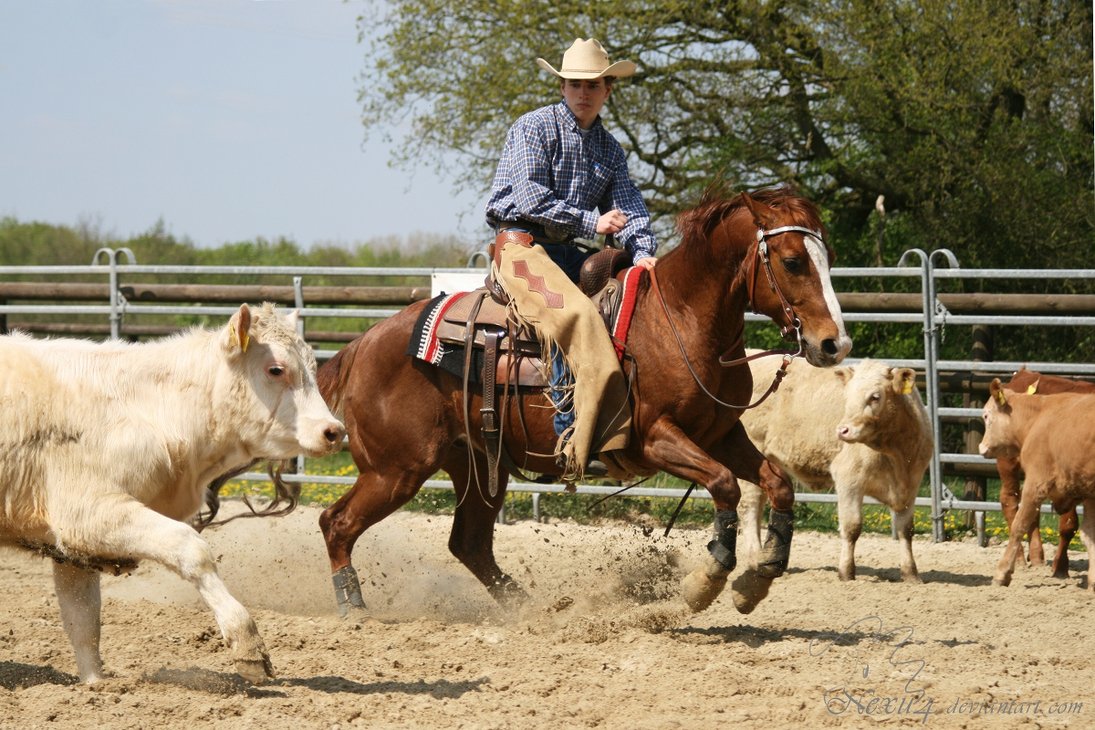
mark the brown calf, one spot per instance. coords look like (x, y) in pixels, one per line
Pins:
(1053, 436)
(1011, 470)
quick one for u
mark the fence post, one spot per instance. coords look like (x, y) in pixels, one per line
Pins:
(117, 301)
(298, 301)
(975, 485)
(931, 373)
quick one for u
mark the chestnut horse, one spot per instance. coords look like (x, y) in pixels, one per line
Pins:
(406, 418)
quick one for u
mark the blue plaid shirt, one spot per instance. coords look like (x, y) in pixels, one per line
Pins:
(553, 175)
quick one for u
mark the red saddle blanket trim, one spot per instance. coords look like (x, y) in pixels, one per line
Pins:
(429, 347)
(622, 323)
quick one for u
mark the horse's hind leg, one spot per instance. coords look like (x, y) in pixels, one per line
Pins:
(472, 538)
(371, 499)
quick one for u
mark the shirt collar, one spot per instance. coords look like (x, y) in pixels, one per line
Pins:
(571, 120)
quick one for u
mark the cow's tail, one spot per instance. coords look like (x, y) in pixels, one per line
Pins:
(334, 374)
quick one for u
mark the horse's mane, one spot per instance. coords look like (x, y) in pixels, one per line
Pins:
(718, 203)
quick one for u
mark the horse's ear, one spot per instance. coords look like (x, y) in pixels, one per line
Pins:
(761, 215)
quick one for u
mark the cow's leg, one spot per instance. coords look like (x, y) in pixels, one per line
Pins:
(136, 531)
(373, 497)
(667, 448)
(849, 509)
(81, 606)
(750, 511)
(1025, 519)
(1010, 479)
(903, 525)
(1087, 533)
(472, 538)
(1068, 523)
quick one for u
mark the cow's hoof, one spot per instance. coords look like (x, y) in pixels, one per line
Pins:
(255, 671)
(700, 589)
(912, 578)
(749, 589)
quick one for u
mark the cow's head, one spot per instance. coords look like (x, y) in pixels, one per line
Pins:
(272, 389)
(999, 439)
(874, 394)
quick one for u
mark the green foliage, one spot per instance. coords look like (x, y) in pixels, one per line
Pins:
(43, 244)
(971, 120)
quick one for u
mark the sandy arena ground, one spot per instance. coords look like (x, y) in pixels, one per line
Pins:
(603, 642)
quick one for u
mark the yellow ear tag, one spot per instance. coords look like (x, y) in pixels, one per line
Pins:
(244, 342)
(1000, 398)
(908, 387)
(1032, 389)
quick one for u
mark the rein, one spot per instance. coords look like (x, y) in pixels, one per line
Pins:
(794, 324)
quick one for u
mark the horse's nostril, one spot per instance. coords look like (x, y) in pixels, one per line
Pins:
(829, 347)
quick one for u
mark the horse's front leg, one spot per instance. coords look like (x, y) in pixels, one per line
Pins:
(669, 449)
(745, 460)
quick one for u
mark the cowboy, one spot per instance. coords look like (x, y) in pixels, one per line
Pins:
(562, 177)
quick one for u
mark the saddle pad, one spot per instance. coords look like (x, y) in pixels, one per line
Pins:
(512, 369)
(424, 343)
(621, 324)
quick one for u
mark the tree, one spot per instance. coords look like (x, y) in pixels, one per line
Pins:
(971, 120)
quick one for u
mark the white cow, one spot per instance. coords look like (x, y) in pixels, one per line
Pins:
(108, 447)
(863, 430)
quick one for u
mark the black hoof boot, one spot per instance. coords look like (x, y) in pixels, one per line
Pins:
(347, 590)
(724, 547)
(776, 554)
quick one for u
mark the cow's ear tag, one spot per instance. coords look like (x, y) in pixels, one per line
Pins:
(907, 390)
(1001, 398)
(239, 339)
(1032, 389)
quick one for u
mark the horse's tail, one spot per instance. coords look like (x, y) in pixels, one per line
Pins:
(334, 374)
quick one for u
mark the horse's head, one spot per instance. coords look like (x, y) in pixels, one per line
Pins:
(787, 272)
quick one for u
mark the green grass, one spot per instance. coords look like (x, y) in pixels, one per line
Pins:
(649, 511)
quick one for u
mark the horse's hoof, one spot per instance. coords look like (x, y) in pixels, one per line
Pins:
(508, 593)
(749, 589)
(1001, 580)
(255, 671)
(352, 614)
(700, 589)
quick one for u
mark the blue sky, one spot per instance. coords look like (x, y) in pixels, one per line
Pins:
(226, 119)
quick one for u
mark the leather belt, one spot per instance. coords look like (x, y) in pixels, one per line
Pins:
(539, 233)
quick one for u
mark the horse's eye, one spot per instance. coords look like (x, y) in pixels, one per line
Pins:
(275, 371)
(793, 265)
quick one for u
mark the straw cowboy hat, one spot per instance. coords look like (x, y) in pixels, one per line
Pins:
(588, 60)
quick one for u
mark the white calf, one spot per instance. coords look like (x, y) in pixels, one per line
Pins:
(862, 430)
(108, 449)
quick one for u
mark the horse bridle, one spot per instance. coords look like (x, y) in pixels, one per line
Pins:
(794, 325)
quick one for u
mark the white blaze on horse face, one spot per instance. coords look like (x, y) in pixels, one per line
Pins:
(820, 257)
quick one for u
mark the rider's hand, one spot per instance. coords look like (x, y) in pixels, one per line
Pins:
(611, 222)
(647, 263)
